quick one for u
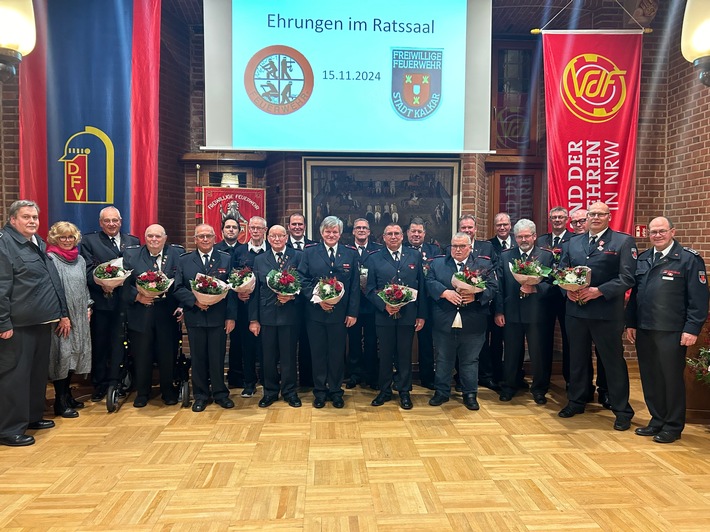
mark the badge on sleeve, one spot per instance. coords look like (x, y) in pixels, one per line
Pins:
(701, 277)
(634, 253)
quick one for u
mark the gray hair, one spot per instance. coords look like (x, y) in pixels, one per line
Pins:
(17, 205)
(461, 235)
(331, 221)
(101, 212)
(524, 223)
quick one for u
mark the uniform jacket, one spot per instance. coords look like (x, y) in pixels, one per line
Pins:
(366, 307)
(382, 270)
(474, 316)
(289, 243)
(189, 265)
(613, 263)
(96, 249)
(545, 241)
(223, 246)
(671, 295)
(263, 305)
(138, 259)
(496, 244)
(315, 265)
(531, 309)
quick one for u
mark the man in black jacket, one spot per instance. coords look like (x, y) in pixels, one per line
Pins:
(108, 318)
(666, 311)
(32, 305)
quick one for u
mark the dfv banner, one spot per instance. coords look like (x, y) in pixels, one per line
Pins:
(592, 81)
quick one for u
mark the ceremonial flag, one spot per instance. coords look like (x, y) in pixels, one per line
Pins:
(592, 81)
(89, 112)
(239, 203)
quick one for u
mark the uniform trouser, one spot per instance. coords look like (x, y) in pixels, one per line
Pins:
(235, 373)
(450, 345)
(558, 314)
(207, 346)
(606, 335)
(279, 348)
(661, 365)
(491, 358)
(305, 367)
(425, 342)
(328, 358)
(540, 356)
(24, 370)
(395, 351)
(249, 348)
(107, 351)
(362, 349)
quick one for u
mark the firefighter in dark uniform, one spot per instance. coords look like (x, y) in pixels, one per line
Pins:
(666, 311)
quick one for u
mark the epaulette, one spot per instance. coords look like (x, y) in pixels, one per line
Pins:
(186, 253)
(371, 251)
(178, 246)
(222, 251)
(507, 249)
(691, 250)
(437, 256)
(310, 245)
(133, 246)
(349, 247)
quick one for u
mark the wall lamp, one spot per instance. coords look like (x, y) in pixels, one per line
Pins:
(17, 35)
(695, 39)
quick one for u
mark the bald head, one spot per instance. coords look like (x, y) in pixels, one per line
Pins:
(155, 238)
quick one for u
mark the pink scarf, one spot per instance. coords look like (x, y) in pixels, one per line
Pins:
(68, 255)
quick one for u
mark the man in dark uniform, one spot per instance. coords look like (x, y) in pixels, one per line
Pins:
(206, 324)
(108, 318)
(523, 310)
(327, 322)
(399, 265)
(416, 239)
(249, 345)
(32, 306)
(666, 311)
(459, 319)
(230, 232)
(553, 242)
(297, 240)
(277, 319)
(151, 321)
(596, 313)
(362, 337)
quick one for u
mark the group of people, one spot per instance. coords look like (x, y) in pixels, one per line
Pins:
(55, 320)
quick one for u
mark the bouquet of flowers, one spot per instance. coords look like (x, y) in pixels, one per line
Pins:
(111, 275)
(397, 295)
(243, 280)
(529, 272)
(329, 290)
(283, 282)
(468, 281)
(572, 279)
(208, 290)
(153, 283)
(700, 364)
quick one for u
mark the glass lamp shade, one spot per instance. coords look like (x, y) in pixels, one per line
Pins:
(695, 39)
(17, 26)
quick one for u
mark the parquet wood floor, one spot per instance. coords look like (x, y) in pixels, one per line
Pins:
(509, 466)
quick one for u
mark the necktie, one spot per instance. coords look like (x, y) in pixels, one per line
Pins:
(592, 243)
(657, 256)
(156, 264)
(395, 255)
(524, 257)
(205, 260)
(555, 241)
(460, 266)
(504, 244)
(332, 257)
(299, 246)
(280, 258)
(361, 250)
(113, 243)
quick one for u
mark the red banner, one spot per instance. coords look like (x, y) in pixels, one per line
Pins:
(239, 203)
(592, 82)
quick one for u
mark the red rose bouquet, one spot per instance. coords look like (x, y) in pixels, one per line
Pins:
(397, 295)
(468, 281)
(283, 282)
(529, 272)
(153, 283)
(208, 290)
(110, 275)
(573, 279)
(242, 280)
(329, 290)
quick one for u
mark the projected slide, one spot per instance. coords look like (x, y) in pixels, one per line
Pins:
(332, 76)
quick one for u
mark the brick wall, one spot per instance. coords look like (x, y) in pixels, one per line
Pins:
(9, 146)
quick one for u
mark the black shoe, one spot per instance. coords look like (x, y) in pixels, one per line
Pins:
(539, 399)
(438, 399)
(505, 397)
(17, 440)
(140, 401)
(225, 402)
(170, 402)
(666, 437)
(490, 384)
(98, 395)
(338, 402)
(604, 400)
(318, 403)
(568, 411)
(267, 400)
(470, 402)
(351, 383)
(405, 400)
(622, 423)
(41, 424)
(62, 407)
(293, 400)
(199, 405)
(647, 431)
(73, 402)
(248, 391)
(381, 399)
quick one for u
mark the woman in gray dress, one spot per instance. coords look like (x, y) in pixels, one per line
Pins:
(70, 353)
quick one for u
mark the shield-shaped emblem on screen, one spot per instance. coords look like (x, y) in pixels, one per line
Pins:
(416, 82)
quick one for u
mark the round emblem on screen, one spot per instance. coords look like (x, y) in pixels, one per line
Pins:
(593, 88)
(278, 80)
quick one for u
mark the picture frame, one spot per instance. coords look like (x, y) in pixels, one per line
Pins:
(383, 190)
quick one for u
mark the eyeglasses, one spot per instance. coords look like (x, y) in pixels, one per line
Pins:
(578, 222)
(204, 237)
(597, 214)
(660, 232)
(69, 238)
